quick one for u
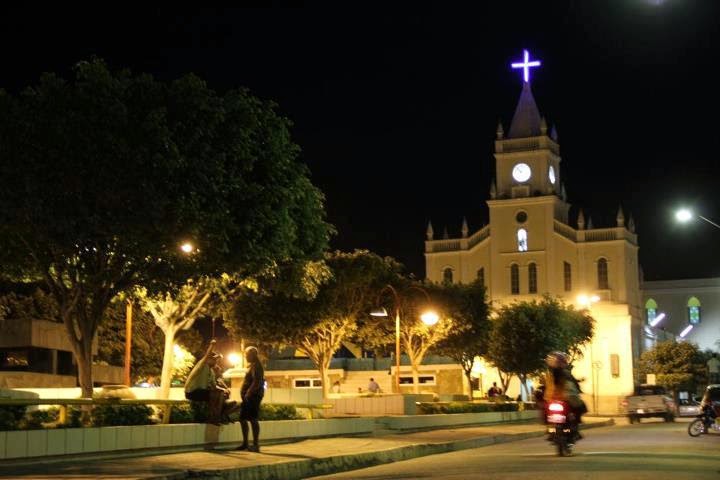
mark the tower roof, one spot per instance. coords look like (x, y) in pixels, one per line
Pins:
(526, 121)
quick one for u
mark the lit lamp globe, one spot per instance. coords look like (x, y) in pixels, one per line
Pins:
(429, 318)
(683, 215)
(237, 370)
(187, 247)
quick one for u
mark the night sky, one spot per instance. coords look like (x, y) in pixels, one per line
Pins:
(396, 111)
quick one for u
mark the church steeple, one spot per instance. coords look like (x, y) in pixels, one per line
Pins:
(527, 121)
(429, 233)
(620, 217)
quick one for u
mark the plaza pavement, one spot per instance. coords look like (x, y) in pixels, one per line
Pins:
(297, 460)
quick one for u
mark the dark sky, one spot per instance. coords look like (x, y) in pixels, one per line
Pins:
(396, 110)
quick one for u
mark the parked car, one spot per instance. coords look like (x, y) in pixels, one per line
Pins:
(689, 407)
(649, 401)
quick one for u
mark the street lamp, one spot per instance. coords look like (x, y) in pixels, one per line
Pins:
(429, 318)
(187, 247)
(684, 215)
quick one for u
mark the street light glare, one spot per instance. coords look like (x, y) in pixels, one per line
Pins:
(683, 215)
(234, 359)
(429, 318)
(379, 312)
(187, 247)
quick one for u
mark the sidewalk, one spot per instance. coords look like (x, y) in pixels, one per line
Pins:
(306, 458)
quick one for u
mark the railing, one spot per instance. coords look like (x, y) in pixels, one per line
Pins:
(600, 235)
(478, 236)
(450, 245)
(565, 230)
(510, 145)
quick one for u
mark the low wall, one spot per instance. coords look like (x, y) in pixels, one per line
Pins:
(67, 441)
(411, 422)
(378, 404)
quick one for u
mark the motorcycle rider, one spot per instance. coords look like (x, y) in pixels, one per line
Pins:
(560, 385)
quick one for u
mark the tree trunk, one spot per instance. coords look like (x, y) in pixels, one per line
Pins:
(504, 380)
(416, 376)
(323, 367)
(468, 376)
(83, 355)
(167, 367)
(523, 386)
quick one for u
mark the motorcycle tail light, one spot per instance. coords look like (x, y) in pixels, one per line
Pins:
(556, 407)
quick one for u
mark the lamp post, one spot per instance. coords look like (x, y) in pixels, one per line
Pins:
(684, 215)
(128, 341)
(429, 318)
(586, 301)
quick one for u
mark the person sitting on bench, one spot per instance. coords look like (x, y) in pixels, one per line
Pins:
(201, 385)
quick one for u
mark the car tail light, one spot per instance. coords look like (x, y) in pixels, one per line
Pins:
(556, 407)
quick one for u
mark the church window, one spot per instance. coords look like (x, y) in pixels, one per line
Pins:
(522, 240)
(693, 311)
(481, 276)
(567, 276)
(650, 310)
(447, 275)
(514, 279)
(602, 273)
(532, 278)
(521, 217)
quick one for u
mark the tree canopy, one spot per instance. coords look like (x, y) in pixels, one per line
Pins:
(338, 292)
(106, 174)
(523, 333)
(677, 365)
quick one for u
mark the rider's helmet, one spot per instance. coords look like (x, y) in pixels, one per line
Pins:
(557, 360)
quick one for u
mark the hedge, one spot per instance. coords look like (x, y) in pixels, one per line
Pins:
(429, 408)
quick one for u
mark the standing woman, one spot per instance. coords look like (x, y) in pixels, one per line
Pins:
(251, 392)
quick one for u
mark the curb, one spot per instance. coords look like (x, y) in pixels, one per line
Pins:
(297, 470)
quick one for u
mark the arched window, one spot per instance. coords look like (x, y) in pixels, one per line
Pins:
(532, 278)
(693, 311)
(481, 276)
(650, 310)
(567, 276)
(522, 240)
(602, 272)
(514, 279)
(447, 275)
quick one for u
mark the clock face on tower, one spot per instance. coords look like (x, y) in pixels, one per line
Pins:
(521, 172)
(551, 174)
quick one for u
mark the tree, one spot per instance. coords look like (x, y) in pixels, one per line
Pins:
(410, 299)
(677, 365)
(523, 333)
(177, 312)
(147, 344)
(467, 305)
(106, 174)
(336, 294)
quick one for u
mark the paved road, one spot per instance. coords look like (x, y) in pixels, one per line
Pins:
(650, 450)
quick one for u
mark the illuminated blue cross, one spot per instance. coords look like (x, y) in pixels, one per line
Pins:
(525, 65)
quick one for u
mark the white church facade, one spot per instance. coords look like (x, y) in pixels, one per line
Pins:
(531, 247)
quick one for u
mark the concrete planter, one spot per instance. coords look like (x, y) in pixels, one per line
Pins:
(42, 443)
(411, 422)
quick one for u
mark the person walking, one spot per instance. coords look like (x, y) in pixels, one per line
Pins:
(251, 392)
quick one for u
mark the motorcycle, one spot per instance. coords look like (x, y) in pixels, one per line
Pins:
(562, 427)
(704, 423)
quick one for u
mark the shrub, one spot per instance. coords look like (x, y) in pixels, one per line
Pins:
(465, 407)
(10, 416)
(279, 412)
(194, 412)
(38, 418)
(115, 415)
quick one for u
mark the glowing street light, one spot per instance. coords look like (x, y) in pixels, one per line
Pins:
(187, 247)
(234, 359)
(686, 331)
(657, 319)
(587, 300)
(684, 215)
(429, 318)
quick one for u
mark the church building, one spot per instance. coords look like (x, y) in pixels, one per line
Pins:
(532, 247)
